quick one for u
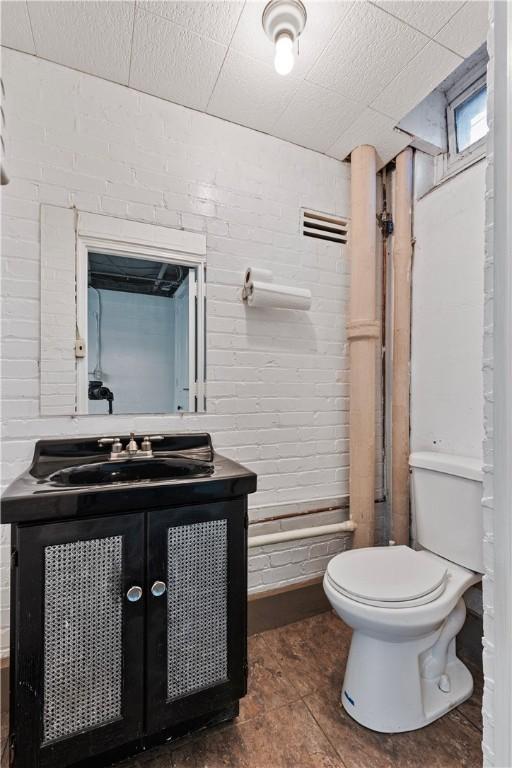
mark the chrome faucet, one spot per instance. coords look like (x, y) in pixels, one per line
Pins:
(132, 449)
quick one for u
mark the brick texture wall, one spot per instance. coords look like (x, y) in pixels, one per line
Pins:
(277, 381)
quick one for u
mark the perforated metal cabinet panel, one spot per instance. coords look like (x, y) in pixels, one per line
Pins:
(197, 655)
(83, 605)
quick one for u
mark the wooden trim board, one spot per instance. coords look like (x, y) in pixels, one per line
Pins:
(278, 607)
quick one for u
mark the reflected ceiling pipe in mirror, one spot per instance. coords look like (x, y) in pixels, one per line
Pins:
(284, 22)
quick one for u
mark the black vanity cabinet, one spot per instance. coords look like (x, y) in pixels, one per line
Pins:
(128, 629)
(78, 677)
(196, 658)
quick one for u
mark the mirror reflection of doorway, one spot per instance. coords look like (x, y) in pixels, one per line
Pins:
(141, 335)
(184, 324)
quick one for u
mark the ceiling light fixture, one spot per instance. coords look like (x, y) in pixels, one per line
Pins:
(283, 22)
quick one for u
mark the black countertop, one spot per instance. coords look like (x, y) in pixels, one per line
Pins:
(33, 497)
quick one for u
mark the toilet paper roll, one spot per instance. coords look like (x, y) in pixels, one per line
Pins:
(280, 296)
(253, 274)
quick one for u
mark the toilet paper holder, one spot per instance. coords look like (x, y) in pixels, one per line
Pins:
(259, 290)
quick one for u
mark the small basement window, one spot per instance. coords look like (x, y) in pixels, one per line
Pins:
(471, 120)
(467, 121)
(463, 97)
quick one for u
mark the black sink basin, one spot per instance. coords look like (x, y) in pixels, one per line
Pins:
(130, 471)
(72, 478)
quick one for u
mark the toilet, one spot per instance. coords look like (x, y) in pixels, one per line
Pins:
(406, 606)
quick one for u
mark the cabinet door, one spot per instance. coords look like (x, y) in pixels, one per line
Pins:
(197, 627)
(78, 639)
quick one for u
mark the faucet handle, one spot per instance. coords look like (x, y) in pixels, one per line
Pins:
(146, 443)
(114, 442)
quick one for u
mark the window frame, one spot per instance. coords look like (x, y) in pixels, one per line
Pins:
(453, 161)
(179, 249)
(466, 95)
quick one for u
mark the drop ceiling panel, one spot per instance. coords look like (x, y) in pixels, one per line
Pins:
(419, 78)
(89, 35)
(361, 65)
(16, 32)
(367, 51)
(171, 62)
(214, 20)
(251, 93)
(467, 30)
(428, 16)
(371, 128)
(322, 19)
(315, 117)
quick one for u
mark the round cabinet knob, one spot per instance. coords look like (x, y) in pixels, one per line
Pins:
(134, 594)
(158, 588)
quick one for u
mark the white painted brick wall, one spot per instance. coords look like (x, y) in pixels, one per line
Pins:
(274, 565)
(488, 446)
(57, 367)
(277, 382)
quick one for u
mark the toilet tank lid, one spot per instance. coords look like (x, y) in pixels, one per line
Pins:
(462, 466)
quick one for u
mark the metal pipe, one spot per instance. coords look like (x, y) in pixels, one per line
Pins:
(126, 278)
(402, 262)
(163, 269)
(363, 333)
(301, 533)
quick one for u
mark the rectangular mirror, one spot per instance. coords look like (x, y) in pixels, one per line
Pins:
(141, 329)
(122, 316)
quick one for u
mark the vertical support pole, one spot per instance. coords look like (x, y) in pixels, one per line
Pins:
(497, 501)
(363, 334)
(402, 262)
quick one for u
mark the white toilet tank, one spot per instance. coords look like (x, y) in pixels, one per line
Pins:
(446, 497)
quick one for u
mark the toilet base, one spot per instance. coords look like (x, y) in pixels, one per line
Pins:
(384, 690)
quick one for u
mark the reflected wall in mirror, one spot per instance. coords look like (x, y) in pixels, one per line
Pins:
(141, 329)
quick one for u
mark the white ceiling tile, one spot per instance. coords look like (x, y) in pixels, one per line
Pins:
(426, 15)
(315, 117)
(374, 129)
(368, 50)
(89, 35)
(251, 93)
(15, 27)
(467, 30)
(419, 78)
(215, 20)
(173, 63)
(322, 20)
(351, 54)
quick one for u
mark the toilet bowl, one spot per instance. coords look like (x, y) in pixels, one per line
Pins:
(406, 606)
(402, 672)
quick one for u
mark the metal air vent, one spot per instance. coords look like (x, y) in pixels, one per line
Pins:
(322, 226)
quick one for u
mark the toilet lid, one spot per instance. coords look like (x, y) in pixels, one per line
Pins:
(387, 575)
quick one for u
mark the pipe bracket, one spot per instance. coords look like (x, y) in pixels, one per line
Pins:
(363, 329)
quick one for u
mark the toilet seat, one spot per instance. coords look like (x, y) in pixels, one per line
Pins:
(387, 577)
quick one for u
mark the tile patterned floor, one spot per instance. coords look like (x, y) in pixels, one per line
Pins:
(292, 718)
